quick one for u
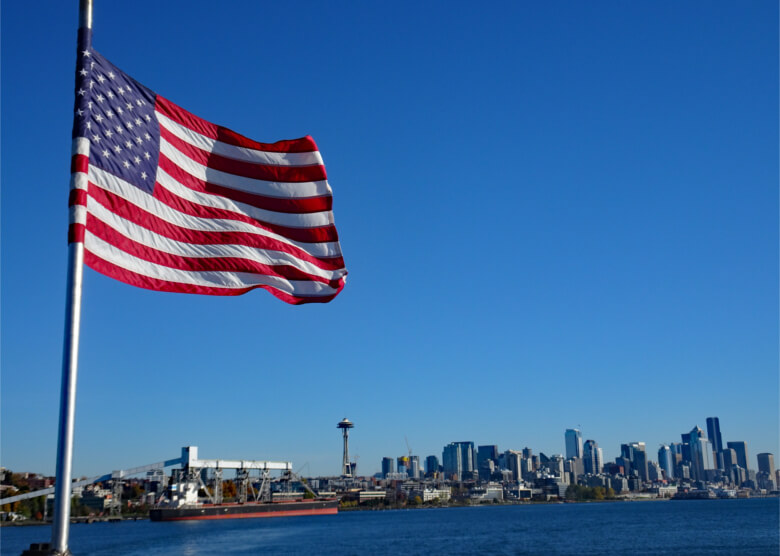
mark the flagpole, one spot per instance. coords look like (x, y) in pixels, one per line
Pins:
(62, 491)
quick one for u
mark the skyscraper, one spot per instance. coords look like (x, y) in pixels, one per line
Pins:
(591, 456)
(458, 460)
(713, 433)
(431, 465)
(742, 454)
(486, 454)
(665, 461)
(766, 463)
(702, 455)
(573, 443)
(388, 466)
(635, 453)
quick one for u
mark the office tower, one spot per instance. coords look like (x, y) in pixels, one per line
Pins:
(766, 463)
(514, 462)
(414, 467)
(573, 443)
(654, 472)
(636, 454)
(527, 453)
(486, 454)
(591, 457)
(713, 434)
(458, 460)
(388, 466)
(701, 457)
(665, 461)
(742, 454)
(403, 464)
(431, 465)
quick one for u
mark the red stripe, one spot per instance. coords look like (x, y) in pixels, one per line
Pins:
(76, 233)
(134, 279)
(199, 264)
(276, 204)
(77, 197)
(199, 125)
(135, 214)
(290, 174)
(305, 235)
(79, 163)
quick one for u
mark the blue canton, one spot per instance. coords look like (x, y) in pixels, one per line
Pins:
(116, 114)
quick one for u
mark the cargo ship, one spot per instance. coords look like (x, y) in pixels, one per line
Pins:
(182, 499)
(248, 510)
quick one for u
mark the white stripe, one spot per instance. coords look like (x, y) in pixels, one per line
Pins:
(77, 214)
(78, 180)
(296, 190)
(148, 238)
(130, 193)
(294, 220)
(238, 153)
(80, 145)
(232, 280)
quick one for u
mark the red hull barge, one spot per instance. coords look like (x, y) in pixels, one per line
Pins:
(238, 511)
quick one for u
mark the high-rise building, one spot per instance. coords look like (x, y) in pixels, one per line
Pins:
(591, 457)
(766, 463)
(635, 453)
(573, 443)
(702, 456)
(486, 454)
(431, 465)
(742, 453)
(388, 466)
(665, 461)
(713, 433)
(458, 460)
(414, 467)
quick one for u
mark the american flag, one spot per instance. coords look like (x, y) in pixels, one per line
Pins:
(165, 200)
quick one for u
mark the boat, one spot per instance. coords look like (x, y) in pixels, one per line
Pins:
(188, 497)
(247, 510)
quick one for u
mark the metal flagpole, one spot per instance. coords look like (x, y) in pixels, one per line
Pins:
(62, 491)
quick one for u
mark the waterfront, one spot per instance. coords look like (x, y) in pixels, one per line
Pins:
(663, 527)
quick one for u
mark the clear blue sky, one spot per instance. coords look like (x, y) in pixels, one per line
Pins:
(553, 214)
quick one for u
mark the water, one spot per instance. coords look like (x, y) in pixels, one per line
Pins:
(663, 527)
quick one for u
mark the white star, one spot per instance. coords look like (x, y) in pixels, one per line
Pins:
(81, 92)
(147, 156)
(99, 118)
(138, 121)
(89, 104)
(86, 53)
(139, 102)
(119, 110)
(129, 106)
(79, 111)
(148, 118)
(106, 153)
(137, 160)
(100, 78)
(128, 143)
(109, 133)
(110, 113)
(91, 65)
(121, 90)
(89, 125)
(83, 71)
(100, 98)
(91, 84)
(147, 137)
(126, 164)
(111, 74)
(139, 140)
(109, 94)
(143, 175)
(129, 125)
(119, 129)
(96, 138)
(118, 149)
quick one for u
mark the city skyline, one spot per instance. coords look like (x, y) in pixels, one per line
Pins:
(553, 216)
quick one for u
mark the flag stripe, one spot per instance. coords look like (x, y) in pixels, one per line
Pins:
(239, 153)
(253, 170)
(249, 185)
(150, 283)
(225, 135)
(207, 235)
(276, 204)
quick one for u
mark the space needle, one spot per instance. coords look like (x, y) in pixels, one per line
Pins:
(345, 424)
